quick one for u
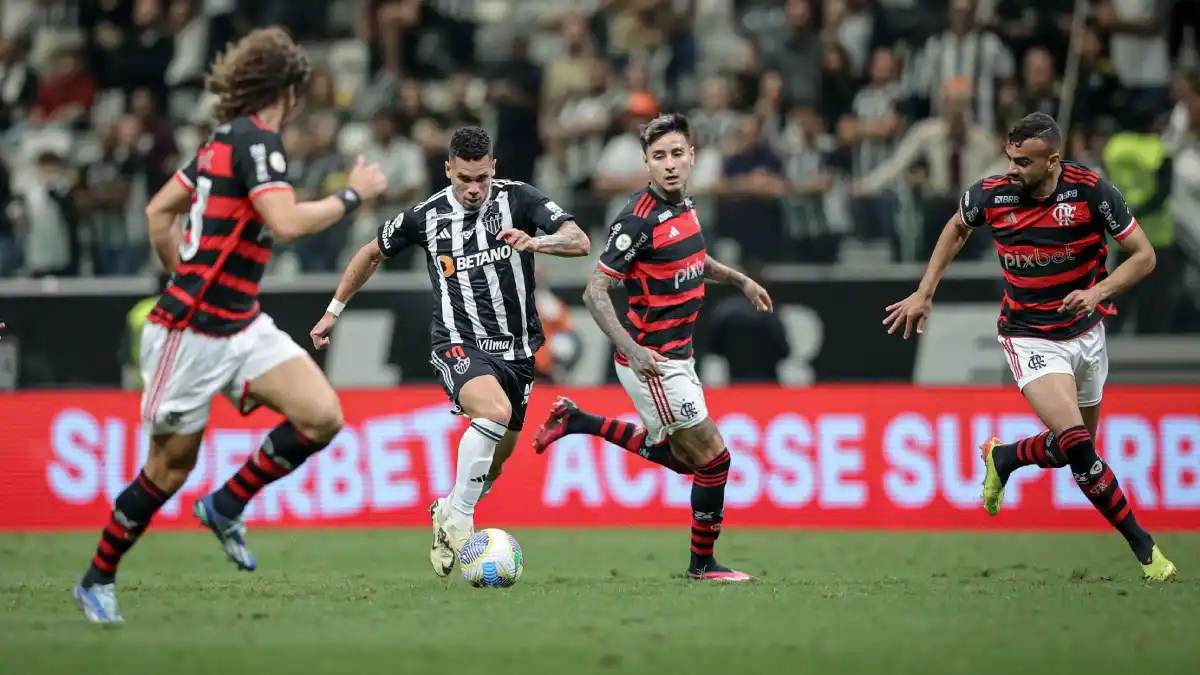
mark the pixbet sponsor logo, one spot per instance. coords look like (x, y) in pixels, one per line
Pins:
(689, 272)
(1037, 258)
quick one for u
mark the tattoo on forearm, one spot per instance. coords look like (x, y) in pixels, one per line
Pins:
(721, 273)
(568, 241)
(603, 312)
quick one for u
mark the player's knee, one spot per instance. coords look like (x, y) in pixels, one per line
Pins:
(323, 423)
(700, 444)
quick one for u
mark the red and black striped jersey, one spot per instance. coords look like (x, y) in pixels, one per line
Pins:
(656, 247)
(1049, 247)
(225, 245)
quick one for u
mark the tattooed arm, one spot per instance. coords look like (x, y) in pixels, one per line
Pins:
(569, 241)
(723, 274)
(600, 304)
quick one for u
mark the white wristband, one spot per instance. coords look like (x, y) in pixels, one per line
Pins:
(335, 307)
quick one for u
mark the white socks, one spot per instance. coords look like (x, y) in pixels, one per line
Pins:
(475, 453)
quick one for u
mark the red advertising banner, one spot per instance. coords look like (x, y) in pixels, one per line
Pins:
(891, 457)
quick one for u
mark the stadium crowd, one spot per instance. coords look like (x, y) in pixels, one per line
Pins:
(827, 130)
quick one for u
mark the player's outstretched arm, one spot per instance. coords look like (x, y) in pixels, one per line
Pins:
(364, 263)
(723, 274)
(916, 307)
(172, 200)
(290, 220)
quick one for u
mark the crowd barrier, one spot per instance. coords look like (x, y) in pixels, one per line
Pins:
(885, 457)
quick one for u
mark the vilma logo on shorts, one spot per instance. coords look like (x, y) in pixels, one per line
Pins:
(1037, 362)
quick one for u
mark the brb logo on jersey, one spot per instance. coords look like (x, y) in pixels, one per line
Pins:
(692, 271)
(1037, 258)
(470, 261)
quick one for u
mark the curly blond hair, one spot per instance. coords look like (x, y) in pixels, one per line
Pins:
(256, 72)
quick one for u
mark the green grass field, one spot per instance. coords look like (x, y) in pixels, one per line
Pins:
(359, 602)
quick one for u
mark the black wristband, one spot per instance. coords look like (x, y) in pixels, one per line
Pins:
(350, 199)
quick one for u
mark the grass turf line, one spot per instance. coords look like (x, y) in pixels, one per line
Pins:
(608, 601)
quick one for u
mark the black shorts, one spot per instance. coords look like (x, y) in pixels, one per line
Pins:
(456, 365)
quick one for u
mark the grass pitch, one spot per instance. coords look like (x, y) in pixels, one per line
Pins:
(610, 601)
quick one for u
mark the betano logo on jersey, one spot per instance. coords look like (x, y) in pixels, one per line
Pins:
(470, 261)
(1038, 258)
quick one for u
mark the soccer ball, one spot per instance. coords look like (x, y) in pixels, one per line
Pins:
(491, 558)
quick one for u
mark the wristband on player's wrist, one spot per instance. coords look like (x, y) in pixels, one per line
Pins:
(335, 307)
(350, 199)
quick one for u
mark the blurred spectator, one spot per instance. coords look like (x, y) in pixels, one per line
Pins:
(871, 131)
(51, 220)
(10, 251)
(432, 132)
(515, 90)
(111, 185)
(316, 168)
(964, 51)
(752, 187)
(575, 137)
(1185, 198)
(753, 343)
(1184, 14)
(1038, 90)
(571, 71)
(850, 24)
(798, 55)
(714, 121)
(18, 83)
(1098, 86)
(1139, 50)
(68, 94)
(807, 146)
(401, 161)
(1137, 163)
(621, 169)
(562, 349)
(943, 155)
(161, 150)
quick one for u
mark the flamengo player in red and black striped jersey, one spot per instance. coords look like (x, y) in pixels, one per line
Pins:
(656, 250)
(1050, 220)
(207, 336)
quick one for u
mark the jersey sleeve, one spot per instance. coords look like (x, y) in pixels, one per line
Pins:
(970, 206)
(627, 238)
(260, 163)
(537, 209)
(406, 229)
(186, 176)
(1118, 220)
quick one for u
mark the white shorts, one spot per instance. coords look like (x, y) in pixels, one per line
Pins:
(1085, 358)
(669, 403)
(184, 370)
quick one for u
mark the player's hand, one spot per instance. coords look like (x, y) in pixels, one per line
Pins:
(757, 295)
(367, 180)
(320, 332)
(913, 309)
(1080, 302)
(518, 239)
(644, 362)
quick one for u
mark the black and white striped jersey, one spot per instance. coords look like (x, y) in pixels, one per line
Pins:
(484, 288)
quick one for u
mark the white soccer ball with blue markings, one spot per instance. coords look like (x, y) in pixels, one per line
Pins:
(491, 558)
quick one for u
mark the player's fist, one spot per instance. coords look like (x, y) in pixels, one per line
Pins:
(320, 332)
(367, 180)
(518, 239)
(913, 309)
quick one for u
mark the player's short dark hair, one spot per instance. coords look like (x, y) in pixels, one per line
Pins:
(1036, 125)
(470, 144)
(256, 72)
(665, 124)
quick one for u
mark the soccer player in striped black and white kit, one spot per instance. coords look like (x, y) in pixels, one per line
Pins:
(207, 335)
(479, 236)
(1050, 219)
